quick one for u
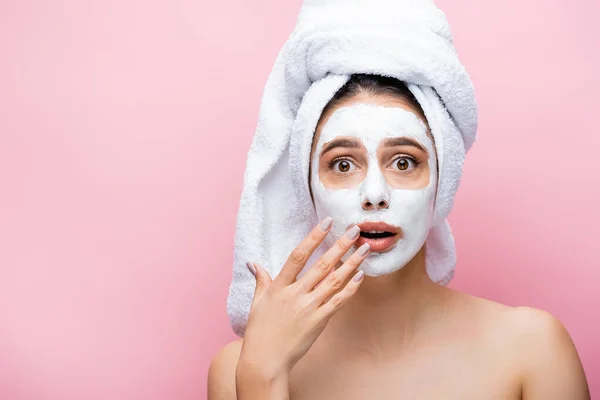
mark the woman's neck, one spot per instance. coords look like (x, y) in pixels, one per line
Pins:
(389, 311)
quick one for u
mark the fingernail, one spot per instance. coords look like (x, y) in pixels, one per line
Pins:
(364, 249)
(251, 267)
(358, 276)
(326, 223)
(353, 232)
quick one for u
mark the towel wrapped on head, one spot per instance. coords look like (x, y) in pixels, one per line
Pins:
(406, 39)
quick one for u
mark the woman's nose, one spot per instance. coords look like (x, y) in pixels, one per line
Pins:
(377, 205)
(375, 192)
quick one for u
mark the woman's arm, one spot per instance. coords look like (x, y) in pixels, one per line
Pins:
(230, 378)
(221, 373)
(552, 368)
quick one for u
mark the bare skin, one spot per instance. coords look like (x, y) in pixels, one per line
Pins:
(402, 336)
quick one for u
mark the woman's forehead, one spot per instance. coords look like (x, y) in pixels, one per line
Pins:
(381, 100)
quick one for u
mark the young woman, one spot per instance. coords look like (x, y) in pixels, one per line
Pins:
(333, 333)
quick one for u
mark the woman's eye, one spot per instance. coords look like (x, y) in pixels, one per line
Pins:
(404, 163)
(342, 165)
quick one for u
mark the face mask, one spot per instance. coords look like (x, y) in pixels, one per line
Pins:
(394, 201)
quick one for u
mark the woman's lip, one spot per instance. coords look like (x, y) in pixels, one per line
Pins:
(377, 226)
(379, 244)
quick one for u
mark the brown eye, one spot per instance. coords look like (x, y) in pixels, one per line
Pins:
(402, 164)
(405, 163)
(344, 166)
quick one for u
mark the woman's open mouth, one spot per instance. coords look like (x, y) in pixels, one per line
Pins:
(379, 235)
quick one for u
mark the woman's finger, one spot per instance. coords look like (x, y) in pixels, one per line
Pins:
(328, 260)
(301, 253)
(330, 307)
(338, 278)
(263, 280)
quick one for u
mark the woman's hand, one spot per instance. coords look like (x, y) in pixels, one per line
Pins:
(288, 314)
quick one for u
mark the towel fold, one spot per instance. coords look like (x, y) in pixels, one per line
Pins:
(406, 39)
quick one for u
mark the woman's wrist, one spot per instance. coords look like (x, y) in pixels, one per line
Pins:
(256, 361)
(260, 382)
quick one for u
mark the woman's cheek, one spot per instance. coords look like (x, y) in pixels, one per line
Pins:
(416, 179)
(339, 180)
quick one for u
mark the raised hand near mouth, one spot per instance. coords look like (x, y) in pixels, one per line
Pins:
(288, 314)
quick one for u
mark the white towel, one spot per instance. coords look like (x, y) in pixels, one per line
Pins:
(406, 39)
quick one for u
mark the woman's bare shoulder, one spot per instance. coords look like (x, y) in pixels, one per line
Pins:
(535, 344)
(521, 321)
(221, 372)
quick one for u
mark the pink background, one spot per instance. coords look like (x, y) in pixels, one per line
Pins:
(124, 130)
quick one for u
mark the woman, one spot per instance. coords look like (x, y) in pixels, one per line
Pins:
(364, 124)
(332, 333)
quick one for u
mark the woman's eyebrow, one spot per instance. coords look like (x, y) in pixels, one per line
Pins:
(349, 143)
(403, 141)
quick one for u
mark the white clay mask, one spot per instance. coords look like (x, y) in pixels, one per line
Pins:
(376, 189)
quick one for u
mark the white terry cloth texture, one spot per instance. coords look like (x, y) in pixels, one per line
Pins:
(406, 39)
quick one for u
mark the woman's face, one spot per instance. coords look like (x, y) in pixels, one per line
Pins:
(373, 163)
